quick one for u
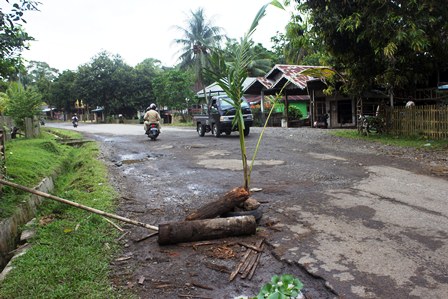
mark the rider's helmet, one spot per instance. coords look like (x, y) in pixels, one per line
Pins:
(152, 106)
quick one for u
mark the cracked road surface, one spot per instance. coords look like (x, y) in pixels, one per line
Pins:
(350, 219)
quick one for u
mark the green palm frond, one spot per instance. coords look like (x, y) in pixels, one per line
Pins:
(230, 77)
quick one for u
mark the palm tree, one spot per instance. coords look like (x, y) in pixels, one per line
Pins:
(262, 59)
(199, 37)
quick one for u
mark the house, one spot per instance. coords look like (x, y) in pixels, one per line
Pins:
(307, 93)
(98, 114)
(296, 89)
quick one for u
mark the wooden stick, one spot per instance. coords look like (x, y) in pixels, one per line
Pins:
(237, 269)
(243, 262)
(251, 274)
(122, 236)
(147, 237)
(89, 209)
(113, 224)
(197, 284)
(251, 265)
(257, 249)
(248, 263)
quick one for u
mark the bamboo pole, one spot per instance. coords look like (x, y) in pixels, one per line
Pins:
(77, 205)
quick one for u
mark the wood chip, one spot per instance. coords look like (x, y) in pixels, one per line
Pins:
(141, 279)
(125, 258)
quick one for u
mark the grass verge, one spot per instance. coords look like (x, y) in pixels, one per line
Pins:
(28, 161)
(72, 249)
(417, 142)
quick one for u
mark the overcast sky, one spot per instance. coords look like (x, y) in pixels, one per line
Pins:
(69, 33)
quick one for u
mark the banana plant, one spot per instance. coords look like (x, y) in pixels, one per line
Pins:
(230, 77)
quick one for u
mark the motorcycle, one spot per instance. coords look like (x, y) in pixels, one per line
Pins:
(153, 131)
(75, 122)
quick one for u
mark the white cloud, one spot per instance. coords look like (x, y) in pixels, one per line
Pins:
(69, 33)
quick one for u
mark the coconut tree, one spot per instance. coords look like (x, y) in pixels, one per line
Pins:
(263, 59)
(199, 37)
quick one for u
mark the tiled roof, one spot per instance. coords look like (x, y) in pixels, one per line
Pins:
(266, 82)
(291, 73)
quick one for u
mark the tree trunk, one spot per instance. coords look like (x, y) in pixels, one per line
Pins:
(224, 204)
(206, 229)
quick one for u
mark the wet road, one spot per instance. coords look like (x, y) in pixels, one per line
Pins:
(370, 223)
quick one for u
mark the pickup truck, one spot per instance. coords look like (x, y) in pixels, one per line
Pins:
(219, 117)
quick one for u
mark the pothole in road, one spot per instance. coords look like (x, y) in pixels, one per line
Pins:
(132, 161)
(235, 164)
(136, 158)
(326, 157)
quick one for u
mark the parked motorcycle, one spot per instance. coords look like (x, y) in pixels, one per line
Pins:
(153, 131)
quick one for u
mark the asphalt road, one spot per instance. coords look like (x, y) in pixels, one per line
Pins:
(366, 220)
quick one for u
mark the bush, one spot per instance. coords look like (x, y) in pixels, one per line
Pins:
(294, 113)
(23, 102)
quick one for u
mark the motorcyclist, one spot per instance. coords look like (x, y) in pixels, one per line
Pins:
(74, 118)
(151, 116)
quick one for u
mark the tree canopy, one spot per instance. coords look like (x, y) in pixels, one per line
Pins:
(393, 44)
(13, 39)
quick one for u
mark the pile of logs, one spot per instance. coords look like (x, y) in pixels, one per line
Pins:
(203, 223)
(248, 264)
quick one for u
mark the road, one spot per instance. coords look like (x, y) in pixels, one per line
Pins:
(351, 219)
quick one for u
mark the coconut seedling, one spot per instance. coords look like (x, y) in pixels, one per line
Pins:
(230, 77)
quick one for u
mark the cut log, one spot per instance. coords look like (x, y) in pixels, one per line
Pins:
(206, 229)
(224, 204)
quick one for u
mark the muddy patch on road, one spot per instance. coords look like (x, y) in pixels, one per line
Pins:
(235, 164)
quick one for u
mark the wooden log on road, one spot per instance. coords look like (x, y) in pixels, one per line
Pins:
(206, 229)
(224, 204)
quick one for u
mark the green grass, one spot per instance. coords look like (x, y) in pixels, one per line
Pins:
(64, 134)
(417, 142)
(70, 255)
(28, 161)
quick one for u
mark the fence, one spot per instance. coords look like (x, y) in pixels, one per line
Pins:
(32, 127)
(430, 121)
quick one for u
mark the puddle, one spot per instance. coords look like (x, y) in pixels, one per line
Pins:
(326, 157)
(133, 157)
